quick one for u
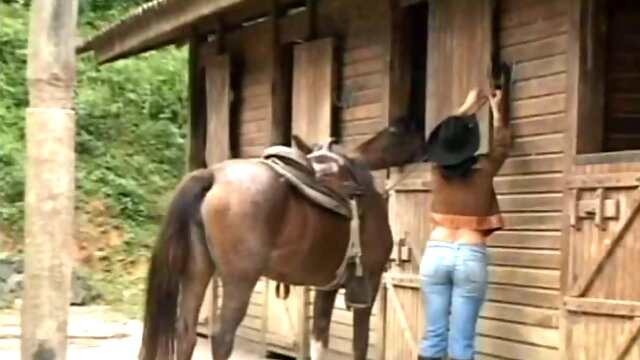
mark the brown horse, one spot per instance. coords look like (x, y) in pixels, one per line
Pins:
(242, 220)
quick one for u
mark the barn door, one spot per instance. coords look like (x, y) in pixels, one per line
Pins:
(602, 300)
(313, 80)
(217, 149)
(459, 44)
(313, 84)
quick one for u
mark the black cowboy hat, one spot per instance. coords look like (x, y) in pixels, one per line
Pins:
(454, 140)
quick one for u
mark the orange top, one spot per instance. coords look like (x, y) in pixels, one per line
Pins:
(471, 203)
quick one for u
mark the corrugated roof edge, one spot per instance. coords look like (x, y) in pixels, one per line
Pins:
(140, 11)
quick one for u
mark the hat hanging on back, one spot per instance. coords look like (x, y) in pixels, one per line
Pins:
(454, 140)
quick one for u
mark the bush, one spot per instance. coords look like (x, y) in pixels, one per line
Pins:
(131, 117)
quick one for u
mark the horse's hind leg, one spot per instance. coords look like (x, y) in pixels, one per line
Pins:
(322, 309)
(236, 295)
(193, 286)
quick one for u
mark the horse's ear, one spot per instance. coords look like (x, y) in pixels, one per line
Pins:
(301, 145)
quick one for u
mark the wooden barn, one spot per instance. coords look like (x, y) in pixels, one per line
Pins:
(564, 271)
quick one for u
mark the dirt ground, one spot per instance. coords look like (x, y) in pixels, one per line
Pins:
(97, 333)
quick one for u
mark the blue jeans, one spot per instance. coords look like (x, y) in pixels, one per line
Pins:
(454, 284)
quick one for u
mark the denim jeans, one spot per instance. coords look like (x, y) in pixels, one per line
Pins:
(454, 284)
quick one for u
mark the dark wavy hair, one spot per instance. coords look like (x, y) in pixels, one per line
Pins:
(460, 170)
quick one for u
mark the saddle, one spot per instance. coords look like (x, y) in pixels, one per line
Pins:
(294, 166)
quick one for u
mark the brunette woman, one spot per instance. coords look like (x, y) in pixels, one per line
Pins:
(465, 212)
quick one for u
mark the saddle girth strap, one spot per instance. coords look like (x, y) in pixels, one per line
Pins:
(354, 252)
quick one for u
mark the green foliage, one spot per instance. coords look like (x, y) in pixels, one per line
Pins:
(131, 115)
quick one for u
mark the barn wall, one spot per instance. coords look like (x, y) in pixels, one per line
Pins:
(251, 51)
(520, 320)
(360, 100)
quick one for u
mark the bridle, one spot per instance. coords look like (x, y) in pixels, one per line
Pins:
(389, 188)
(341, 160)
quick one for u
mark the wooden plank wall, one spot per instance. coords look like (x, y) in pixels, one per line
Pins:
(363, 64)
(520, 318)
(362, 77)
(251, 51)
(360, 100)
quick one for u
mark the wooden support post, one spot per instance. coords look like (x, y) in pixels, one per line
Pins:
(281, 73)
(50, 185)
(404, 324)
(311, 20)
(219, 29)
(303, 323)
(198, 114)
(380, 324)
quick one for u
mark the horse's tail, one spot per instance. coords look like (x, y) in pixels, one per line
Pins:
(168, 263)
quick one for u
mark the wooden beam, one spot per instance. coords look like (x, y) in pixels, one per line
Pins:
(380, 324)
(303, 323)
(220, 33)
(596, 181)
(403, 280)
(406, 331)
(281, 73)
(615, 157)
(569, 218)
(264, 316)
(151, 26)
(311, 18)
(603, 306)
(197, 116)
(628, 340)
(313, 85)
(582, 286)
(49, 180)
(218, 90)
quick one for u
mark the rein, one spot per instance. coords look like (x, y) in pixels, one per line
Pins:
(389, 188)
(332, 168)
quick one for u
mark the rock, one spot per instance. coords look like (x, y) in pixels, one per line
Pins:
(18, 266)
(10, 290)
(6, 270)
(8, 266)
(81, 291)
(14, 284)
(11, 278)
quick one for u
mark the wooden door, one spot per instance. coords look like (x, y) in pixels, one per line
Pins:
(459, 44)
(288, 321)
(602, 302)
(313, 85)
(409, 207)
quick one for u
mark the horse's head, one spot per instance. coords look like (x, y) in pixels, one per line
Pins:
(398, 144)
(333, 167)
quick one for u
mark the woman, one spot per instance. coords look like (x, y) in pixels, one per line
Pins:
(465, 212)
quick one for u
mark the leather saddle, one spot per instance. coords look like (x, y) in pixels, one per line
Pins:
(294, 166)
(293, 157)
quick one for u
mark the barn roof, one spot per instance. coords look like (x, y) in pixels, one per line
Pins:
(153, 25)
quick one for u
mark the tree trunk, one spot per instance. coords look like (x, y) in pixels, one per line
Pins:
(49, 193)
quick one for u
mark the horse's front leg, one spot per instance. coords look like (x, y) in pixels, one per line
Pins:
(322, 310)
(361, 323)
